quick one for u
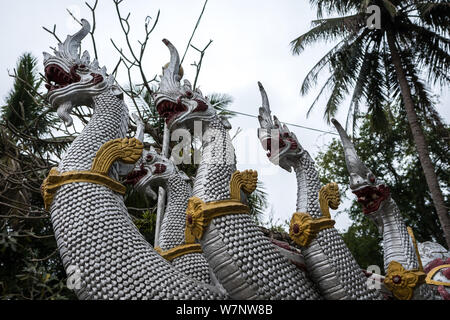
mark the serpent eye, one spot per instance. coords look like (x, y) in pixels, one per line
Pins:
(189, 94)
(149, 157)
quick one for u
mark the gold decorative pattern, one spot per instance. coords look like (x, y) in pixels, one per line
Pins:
(125, 150)
(195, 220)
(179, 251)
(411, 234)
(401, 282)
(199, 214)
(329, 197)
(303, 228)
(430, 275)
(245, 180)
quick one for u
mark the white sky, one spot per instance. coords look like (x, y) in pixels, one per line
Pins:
(250, 43)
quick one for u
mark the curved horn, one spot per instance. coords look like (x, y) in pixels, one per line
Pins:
(72, 43)
(264, 117)
(356, 168)
(265, 100)
(171, 77)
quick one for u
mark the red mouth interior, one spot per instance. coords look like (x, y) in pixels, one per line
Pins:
(134, 176)
(201, 106)
(267, 145)
(371, 197)
(168, 109)
(159, 168)
(58, 78)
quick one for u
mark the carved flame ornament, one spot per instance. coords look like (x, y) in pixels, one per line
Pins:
(199, 214)
(401, 282)
(303, 228)
(245, 181)
(125, 150)
(329, 197)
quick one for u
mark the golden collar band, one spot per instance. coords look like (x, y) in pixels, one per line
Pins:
(401, 282)
(179, 251)
(125, 150)
(303, 228)
(199, 214)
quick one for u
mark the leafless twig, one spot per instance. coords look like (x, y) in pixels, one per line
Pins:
(53, 32)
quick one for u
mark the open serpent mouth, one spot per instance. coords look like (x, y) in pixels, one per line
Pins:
(371, 197)
(58, 78)
(169, 110)
(267, 145)
(134, 176)
(159, 168)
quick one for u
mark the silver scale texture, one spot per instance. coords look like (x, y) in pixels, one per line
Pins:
(95, 234)
(397, 243)
(173, 226)
(244, 261)
(329, 261)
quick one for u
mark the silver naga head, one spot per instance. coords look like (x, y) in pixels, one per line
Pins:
(73, 80)
(281, 144)
(176, 102)
(153, 171)
(371, 192)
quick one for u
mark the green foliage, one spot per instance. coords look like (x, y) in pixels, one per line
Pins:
(30, 266)
(35, 283)
(392, 157)
(143, 212)
(363, 241)
(23, 110)
(359, 66)
(257, 201)
(221, 102)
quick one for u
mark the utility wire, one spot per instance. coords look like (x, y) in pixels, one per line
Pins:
(253, 116)
(291, 124)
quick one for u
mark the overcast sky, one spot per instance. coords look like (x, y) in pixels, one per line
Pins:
(250, 43)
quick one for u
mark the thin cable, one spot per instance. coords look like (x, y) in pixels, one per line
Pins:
(291, 124)
(253, 116)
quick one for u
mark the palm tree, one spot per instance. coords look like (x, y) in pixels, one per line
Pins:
(380, 65)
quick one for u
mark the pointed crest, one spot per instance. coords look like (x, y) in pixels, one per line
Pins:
(70, 48)
(264, 117)
(356, 168)
(171, 78)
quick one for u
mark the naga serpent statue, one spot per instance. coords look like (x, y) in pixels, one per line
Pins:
(210, 248)
(402, 261)
(243, 260)
(93, 229)
(154, 171)
(328, 260)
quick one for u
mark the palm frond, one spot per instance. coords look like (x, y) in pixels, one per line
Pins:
(221, 102)
(435, 14)
(328, 29)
